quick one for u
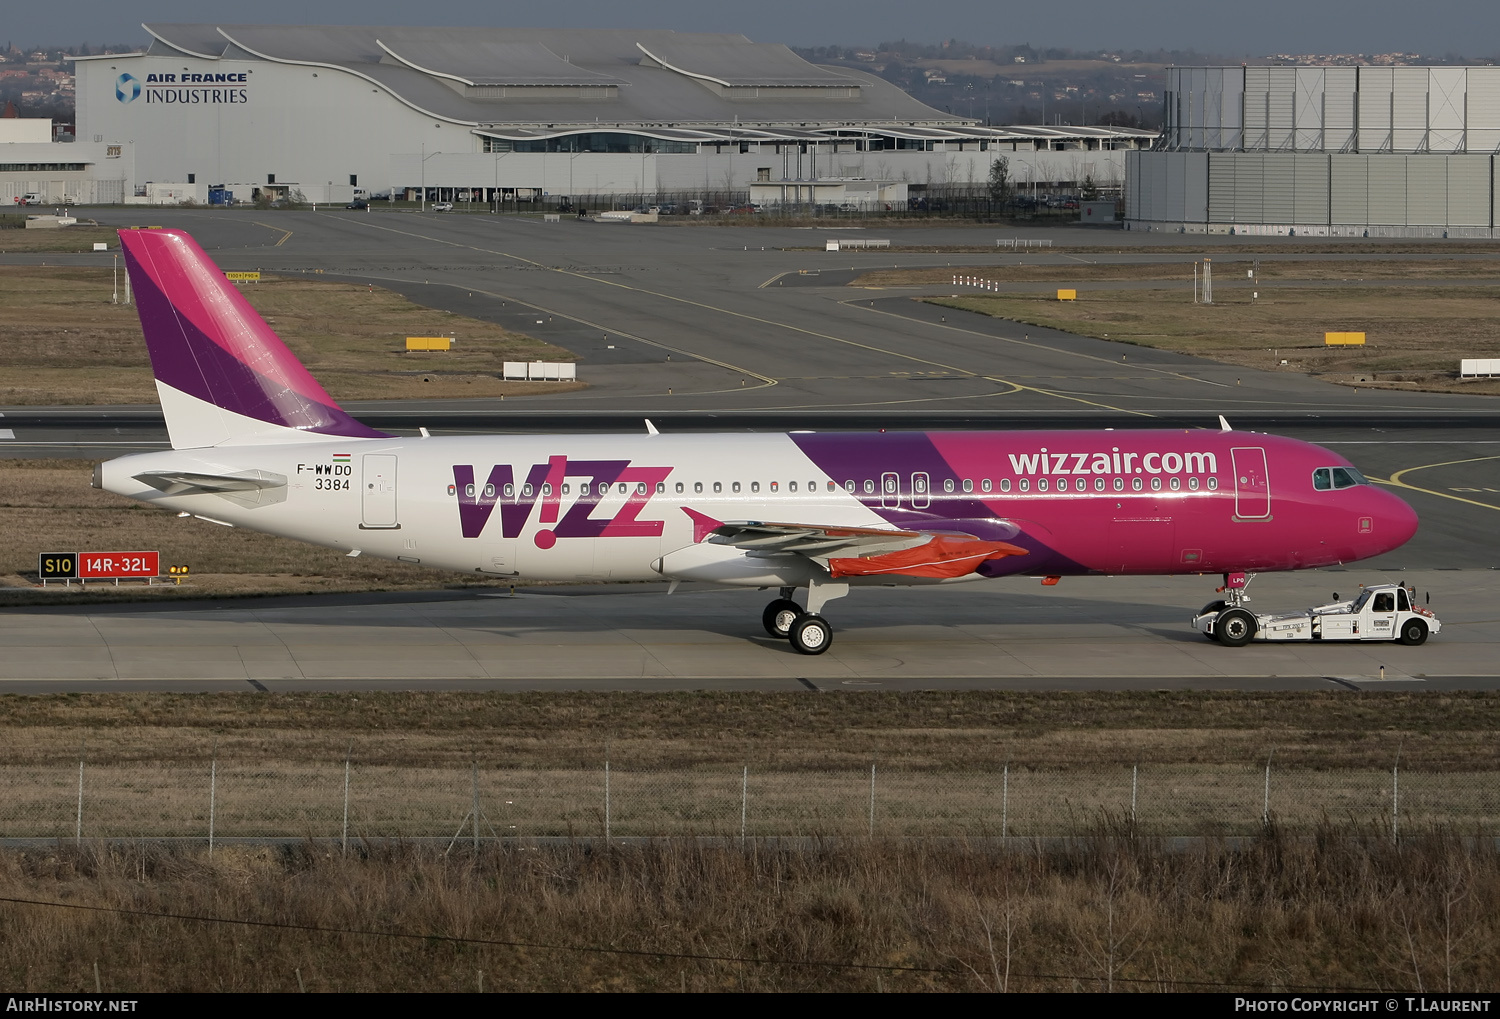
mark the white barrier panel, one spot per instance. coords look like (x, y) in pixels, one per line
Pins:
(544, 371)
(1473, 367)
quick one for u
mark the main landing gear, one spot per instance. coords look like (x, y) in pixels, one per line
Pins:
(808, 632)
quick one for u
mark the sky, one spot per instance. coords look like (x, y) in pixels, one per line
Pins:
(1433, 27)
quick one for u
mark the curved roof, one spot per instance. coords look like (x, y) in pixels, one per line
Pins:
(548, 78)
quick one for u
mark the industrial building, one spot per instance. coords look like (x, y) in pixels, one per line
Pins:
(514, 114)
(1322, 151)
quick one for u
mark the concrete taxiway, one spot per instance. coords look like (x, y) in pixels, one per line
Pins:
(733, 328)
(1112, 633)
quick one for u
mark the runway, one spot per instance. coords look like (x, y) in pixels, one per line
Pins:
(690, 327)
(1111, 633)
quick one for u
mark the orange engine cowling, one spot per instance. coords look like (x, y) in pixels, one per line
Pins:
(941, 558)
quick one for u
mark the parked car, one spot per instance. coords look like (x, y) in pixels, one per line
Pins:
(358, 203)
(441, 206)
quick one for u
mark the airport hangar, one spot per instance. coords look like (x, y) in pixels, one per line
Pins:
(518, 113)
(1346, 151)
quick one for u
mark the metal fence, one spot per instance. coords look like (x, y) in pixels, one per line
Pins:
(236, 798)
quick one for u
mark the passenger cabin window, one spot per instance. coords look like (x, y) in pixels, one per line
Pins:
(697, 487)
(1385, 602)
(679, 488)
(718, 487)
(735, 486)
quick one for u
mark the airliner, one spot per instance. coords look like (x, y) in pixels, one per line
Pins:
(257, 443)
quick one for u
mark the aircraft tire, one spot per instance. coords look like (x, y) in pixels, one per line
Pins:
(1413, 632)
(1213, 606)
(1234, 628)
(811, 634)
(779, 617)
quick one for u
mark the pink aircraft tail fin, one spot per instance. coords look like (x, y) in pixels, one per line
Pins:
(223, 375)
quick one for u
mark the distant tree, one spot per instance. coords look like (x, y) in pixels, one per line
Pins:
(1119, 118)
(999, 183)
(1088, 190)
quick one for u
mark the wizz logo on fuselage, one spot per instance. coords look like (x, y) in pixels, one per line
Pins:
(543, 490)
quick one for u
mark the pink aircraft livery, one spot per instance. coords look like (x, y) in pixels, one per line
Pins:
(257, 443)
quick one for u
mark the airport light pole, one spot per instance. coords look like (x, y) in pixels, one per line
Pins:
(425, 156)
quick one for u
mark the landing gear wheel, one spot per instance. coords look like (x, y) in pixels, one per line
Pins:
(779, 617)
(1234, 628)
(1213, 606)
(1413, 632)
(810, 634)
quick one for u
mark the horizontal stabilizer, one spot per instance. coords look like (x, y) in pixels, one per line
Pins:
(190, 482)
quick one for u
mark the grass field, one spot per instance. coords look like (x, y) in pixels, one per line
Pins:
(1415, 336)
(1321, 899)
(929, 731)
(67, 342)
(1342, 911)
(14, 237)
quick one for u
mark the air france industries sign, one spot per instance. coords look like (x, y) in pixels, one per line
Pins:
(187, 88)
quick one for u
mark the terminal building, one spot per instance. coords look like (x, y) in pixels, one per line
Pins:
(1322, 151)
(515, 114)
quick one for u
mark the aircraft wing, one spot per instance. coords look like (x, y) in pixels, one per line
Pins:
(812, 540)
(865, 551)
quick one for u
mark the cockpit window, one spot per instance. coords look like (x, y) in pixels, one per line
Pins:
(1325, 478)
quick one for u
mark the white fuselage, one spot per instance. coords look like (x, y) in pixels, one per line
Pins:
(597, 507)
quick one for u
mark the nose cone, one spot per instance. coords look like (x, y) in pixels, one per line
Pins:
(1395, 522)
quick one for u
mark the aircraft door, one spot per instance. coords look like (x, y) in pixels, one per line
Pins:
(378, 492)
(890, 491)
(1382, 618)
(1252, 483)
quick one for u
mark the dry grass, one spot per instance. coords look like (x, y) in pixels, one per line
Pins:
(68, 343)
(1415, 336)
(1339, 911)
(677, 762)
(929, 731)
(15, 238)
(268, 797)
(51, 504)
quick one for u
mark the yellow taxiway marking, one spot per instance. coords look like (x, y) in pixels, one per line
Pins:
(1395, 481)
(285, 233)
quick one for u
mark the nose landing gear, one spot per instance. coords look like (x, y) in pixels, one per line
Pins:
(808, 632)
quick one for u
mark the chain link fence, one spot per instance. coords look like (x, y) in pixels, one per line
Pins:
(263, 798)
